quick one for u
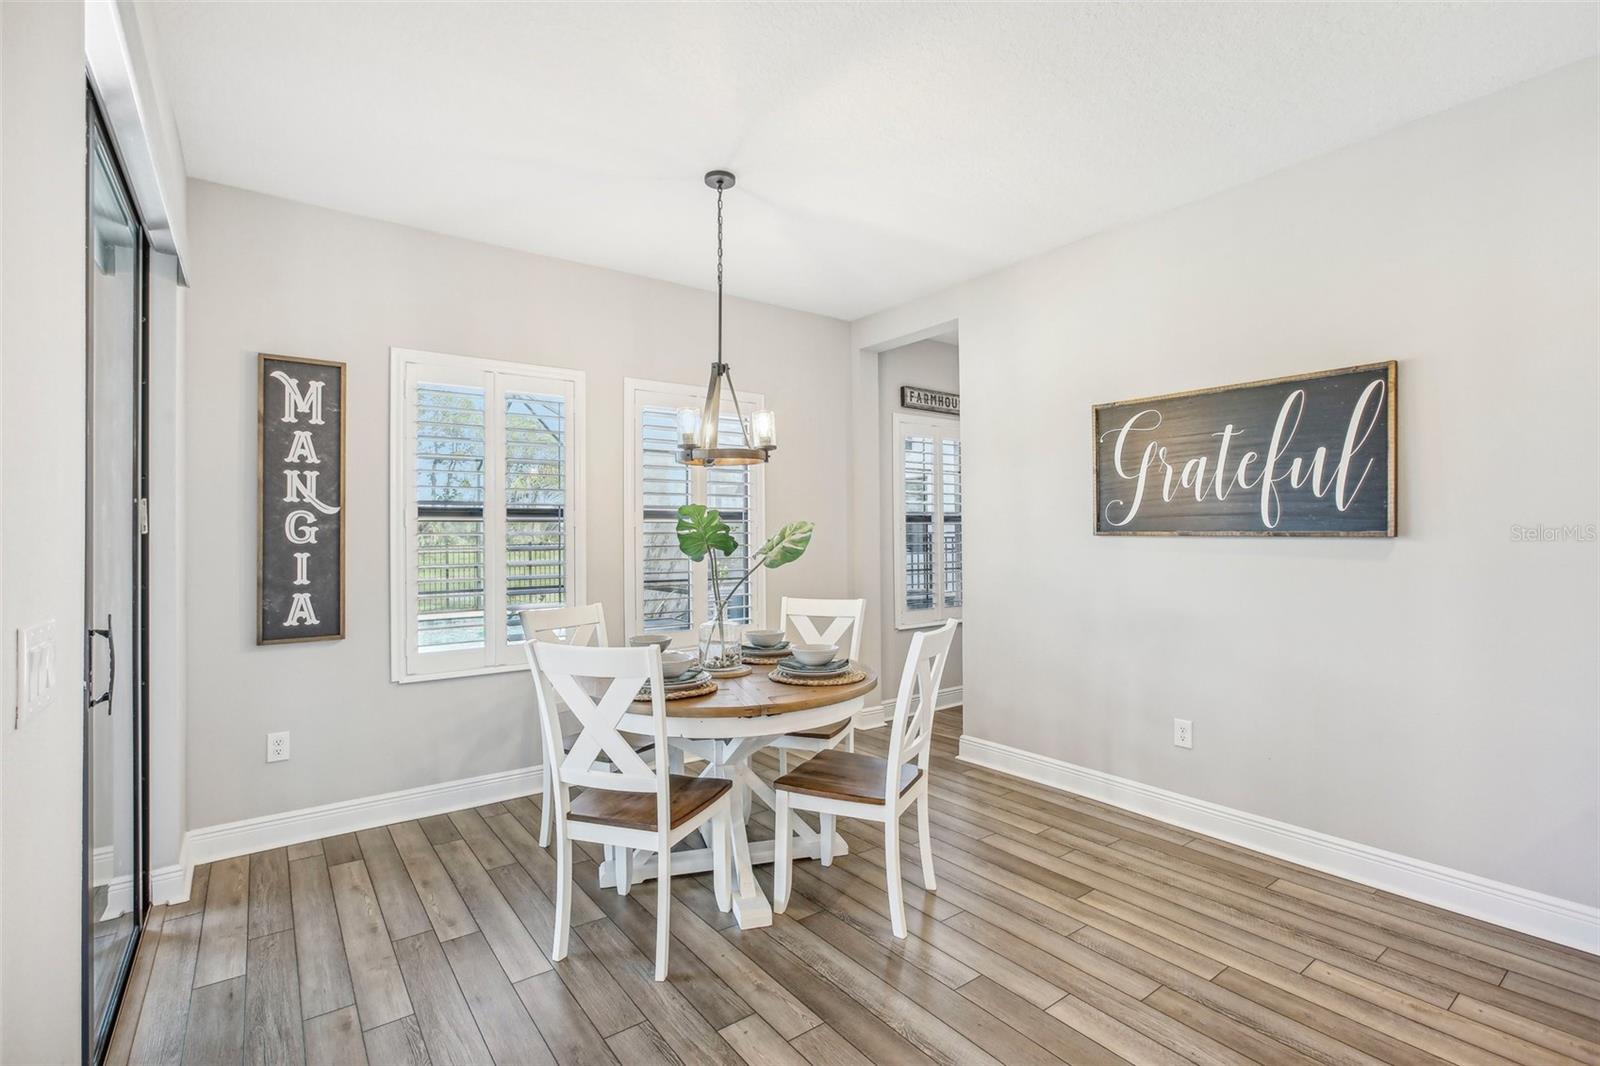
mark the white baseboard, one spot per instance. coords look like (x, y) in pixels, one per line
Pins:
(311, 823)
(873, 717)
(170, 884)
(1564, 921)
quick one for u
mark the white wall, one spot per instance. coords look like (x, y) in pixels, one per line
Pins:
(931, 365)
(41, 526)
(1433, 695)
(271, 275)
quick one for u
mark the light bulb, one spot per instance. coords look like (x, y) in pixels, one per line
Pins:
(765, 425)
(688, 426)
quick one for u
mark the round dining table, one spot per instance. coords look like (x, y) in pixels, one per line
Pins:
(726, 729)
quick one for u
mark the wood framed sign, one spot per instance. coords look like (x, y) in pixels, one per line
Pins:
(300, 486)
(1309, 455)
(918, 399)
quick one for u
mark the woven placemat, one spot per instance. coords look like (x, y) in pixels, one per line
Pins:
(705, 689)
(764, 658)
(849, 677)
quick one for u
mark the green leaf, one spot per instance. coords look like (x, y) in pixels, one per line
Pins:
(787, 544)
(701, 530)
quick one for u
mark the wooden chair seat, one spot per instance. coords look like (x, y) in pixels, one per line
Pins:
(637, 810)
(826, 732)
(845, 775)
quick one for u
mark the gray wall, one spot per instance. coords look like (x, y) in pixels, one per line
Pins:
(271, 275)
(1433, 695)
(933, 365)
(41, 543)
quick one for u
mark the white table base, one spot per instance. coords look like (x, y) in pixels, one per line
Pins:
(730, 759)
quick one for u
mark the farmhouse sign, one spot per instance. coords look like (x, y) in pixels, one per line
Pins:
(1311, 455)
(915, 399)
(300, 576)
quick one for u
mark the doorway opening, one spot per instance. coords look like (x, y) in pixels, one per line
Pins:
(921, 499)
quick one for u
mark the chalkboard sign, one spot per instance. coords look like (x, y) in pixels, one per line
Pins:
(1311, 455)
(300, 579)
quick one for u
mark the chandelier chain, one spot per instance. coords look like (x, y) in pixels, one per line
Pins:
(719, 274)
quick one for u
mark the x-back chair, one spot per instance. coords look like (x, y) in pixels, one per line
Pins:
(862, 786)
(626, 803)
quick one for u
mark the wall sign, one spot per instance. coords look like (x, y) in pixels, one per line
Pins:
(915, 399)
(1310, 455)
(300, 570)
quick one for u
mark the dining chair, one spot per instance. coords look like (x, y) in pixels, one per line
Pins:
(838, 616)
(626, 803)
(582, 626)
(863, 786)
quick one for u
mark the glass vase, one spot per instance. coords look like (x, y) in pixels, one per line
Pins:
(721, 641)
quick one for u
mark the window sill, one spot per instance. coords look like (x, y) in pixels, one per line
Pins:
(447, 675)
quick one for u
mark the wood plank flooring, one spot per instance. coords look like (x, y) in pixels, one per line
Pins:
(1062, 931)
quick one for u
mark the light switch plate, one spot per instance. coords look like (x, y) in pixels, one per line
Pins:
(36, 670)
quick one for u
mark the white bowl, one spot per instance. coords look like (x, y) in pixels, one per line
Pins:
(763, 638)
(815, 654)
(646, 641)
(675, 664)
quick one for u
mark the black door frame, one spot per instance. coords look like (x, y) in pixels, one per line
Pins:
(97, 1030)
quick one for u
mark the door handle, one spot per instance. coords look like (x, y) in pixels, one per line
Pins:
(111, 650)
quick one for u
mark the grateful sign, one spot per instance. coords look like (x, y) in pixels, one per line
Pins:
(1310, 455)
(300, 578)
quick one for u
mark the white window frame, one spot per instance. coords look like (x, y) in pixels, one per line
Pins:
(637, 395)
(939, 428)
(495, 376)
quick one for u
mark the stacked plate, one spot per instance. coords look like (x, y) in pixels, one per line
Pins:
(766, 652)
(795, 668)
(693, 679)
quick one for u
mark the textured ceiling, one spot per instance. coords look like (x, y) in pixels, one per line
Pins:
(883, 150)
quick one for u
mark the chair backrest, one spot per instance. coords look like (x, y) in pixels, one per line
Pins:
(838, 615)
(615, 674)
(584, 624)
(912, 726)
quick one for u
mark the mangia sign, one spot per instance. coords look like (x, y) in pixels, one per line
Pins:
(300, 580)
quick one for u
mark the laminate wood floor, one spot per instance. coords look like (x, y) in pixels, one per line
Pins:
(1062, 931)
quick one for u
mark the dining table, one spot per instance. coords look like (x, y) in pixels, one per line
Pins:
(726, 729)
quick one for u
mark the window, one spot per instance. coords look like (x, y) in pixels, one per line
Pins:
(667, 593)
(927, 495)
(486, 508)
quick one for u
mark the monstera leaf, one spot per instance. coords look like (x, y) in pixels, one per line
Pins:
(701, 530)
(787, 544)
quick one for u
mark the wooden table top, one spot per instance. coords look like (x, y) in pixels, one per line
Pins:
(758, 695)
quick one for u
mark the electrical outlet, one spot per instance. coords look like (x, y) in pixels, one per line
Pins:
(277, 747)
(1182, 733)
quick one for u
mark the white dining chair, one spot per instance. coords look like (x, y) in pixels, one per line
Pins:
(864, 786)
(837, 617)
(626, 803)
(583, 625)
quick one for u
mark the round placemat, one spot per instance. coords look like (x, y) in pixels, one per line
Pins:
(706, 689)
(764, 658)
(849, 677)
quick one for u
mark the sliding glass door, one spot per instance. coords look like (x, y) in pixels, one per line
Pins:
(115, 864)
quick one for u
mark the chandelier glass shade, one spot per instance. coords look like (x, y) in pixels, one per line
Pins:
(703, 438)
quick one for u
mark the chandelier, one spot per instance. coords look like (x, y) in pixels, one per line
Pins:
(700, 438)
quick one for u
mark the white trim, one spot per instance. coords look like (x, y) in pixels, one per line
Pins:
(312, 823)
(1564, 921)
(494, 376)
(873, 717)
